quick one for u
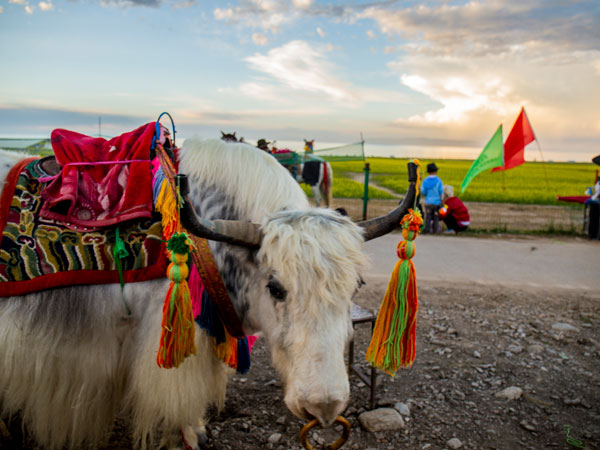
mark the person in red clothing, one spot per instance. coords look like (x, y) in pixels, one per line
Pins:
(454, 213)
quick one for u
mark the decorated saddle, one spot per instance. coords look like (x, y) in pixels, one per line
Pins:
(37, 253)
(102, 212)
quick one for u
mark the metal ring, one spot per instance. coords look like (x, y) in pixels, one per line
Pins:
(337, 444)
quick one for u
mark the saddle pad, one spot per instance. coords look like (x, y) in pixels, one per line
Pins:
(37, 254)
(310, 172)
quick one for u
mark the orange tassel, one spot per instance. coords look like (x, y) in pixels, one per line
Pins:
(177, 340)
(393, 343)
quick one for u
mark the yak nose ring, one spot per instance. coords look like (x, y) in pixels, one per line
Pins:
(334, 446)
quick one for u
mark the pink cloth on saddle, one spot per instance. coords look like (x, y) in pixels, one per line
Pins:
(99, 194)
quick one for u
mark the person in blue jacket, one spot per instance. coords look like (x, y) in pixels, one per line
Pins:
(432, 190)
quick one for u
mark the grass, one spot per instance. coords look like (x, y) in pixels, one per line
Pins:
(530, 183)
(344, 187)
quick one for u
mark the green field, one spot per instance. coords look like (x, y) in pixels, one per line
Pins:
(345, 187)
(530, 183)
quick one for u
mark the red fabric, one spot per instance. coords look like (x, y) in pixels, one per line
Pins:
(81, 277)
(100, 195)
(574, 198)
(458, 209)
(9, 189)
(514, 147)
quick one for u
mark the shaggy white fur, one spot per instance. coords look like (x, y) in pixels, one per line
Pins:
(71, 362)
(255, 180)
(7, 161)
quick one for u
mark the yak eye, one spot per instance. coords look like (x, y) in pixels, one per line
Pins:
(276, 290)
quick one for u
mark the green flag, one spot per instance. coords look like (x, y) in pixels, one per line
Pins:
(491, 156)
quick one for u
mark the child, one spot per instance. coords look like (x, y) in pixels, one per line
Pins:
(432, 190)
(454, 213)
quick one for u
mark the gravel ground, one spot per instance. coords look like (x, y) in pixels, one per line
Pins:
(473, 342)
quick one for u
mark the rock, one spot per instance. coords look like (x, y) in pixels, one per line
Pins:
(516, 349)
(476, 354)
(381, 419)
(510, 393)
(535, 349)
(563, 326)
(527, 425)
(454, 443)
(280, 420)
(274, 438)
(402, 408)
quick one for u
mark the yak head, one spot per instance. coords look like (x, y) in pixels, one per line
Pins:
(307, 266)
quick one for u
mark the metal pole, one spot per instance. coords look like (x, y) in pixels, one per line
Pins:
(366, 194)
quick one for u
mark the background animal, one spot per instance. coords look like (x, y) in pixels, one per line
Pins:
(319, 176)
(231, 137)
(72, 359)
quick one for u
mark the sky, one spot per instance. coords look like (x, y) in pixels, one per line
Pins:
(433, 74)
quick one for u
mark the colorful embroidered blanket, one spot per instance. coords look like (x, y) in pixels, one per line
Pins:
(37, 254)
(101, 182)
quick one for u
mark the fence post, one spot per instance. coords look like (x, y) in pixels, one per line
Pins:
(366, 194)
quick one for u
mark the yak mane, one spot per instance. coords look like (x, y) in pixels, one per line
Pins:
(253, 179)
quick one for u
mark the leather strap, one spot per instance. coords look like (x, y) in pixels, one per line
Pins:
(205, 263)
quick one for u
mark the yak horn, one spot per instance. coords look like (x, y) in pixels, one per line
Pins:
(236, 232)
(379, 226)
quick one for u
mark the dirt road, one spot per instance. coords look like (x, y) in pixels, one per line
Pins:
(516, 262)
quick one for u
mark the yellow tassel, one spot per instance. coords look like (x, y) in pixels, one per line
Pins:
(166, 204)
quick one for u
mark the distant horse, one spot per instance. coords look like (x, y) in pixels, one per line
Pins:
(317, 174)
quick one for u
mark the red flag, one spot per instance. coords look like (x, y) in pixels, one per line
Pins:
(514, 147)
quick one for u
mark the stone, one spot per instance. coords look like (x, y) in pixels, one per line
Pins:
(402, 408)
(280, 420)
(476, 354)
(454, 443)
(274, 438)
(535, 349)
(516, 349)
(381, 419)
(563, 326)
(527, 425)
(510, 393)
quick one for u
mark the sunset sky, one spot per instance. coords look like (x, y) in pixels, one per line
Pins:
(407, 73)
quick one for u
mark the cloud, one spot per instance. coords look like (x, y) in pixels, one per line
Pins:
(38, 121)
(302, 4)
(320, 32)
(223, 14)
(184, 4)
(130, 3)
(475, 63)
(300, 67)
(371, 34)
(265, 14)
(1, 9)
(46, 6)
(29, 9)
(259, 39)
(17, 2)
(491, 28)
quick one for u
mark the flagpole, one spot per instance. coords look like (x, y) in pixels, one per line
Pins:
(540, 150)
